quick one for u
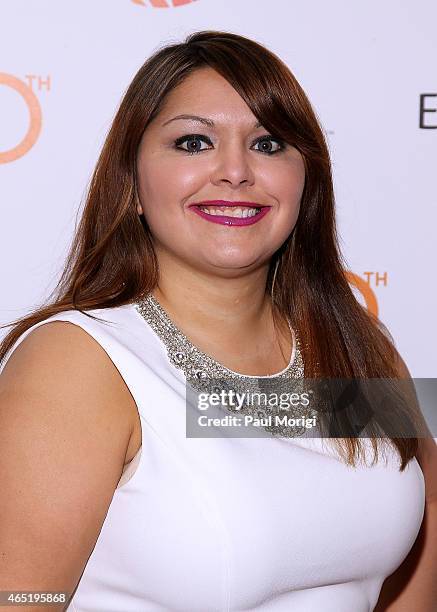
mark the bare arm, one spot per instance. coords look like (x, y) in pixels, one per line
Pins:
(413, 586)
(63, 441)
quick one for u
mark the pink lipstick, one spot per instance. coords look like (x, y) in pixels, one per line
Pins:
(228, 220)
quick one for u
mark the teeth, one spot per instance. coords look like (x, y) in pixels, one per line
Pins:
(230, 211)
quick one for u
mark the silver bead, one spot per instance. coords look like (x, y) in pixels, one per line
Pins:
(201, 375)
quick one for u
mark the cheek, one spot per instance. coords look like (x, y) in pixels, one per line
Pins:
(164, 186)
(167, 180)
(289, 186)
(286, 185)
(293, 182)
(292, 191)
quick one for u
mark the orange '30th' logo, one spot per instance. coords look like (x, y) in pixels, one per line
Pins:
(35, 118)
(365, 288)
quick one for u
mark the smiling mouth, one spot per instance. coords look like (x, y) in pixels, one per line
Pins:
(230, 211)
(239, 215)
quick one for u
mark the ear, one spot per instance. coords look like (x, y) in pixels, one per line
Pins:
(139, 209)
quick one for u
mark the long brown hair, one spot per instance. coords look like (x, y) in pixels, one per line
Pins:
(112, 261)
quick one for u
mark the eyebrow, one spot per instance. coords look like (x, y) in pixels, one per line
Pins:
(204, 120)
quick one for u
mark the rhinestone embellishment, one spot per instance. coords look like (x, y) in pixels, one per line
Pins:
(201, 370)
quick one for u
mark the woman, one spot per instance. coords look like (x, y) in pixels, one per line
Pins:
(207, 246)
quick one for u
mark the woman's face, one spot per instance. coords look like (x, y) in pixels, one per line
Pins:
(185, 161)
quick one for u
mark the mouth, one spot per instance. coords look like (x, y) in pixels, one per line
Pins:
(230, 212)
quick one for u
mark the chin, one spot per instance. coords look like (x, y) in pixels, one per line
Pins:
(230, 263)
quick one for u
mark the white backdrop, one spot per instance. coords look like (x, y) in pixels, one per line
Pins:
(367, 66)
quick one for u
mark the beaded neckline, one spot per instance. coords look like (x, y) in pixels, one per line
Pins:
(196, 364)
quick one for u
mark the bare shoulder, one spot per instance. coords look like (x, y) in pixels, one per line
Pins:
(60, 357)
(63, 440)
(54, 338)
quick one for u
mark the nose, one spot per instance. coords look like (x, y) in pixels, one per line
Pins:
(232, 166)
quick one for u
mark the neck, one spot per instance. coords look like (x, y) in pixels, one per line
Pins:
(225, 314)
(221, 309)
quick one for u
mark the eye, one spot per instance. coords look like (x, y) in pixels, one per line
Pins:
(266, 140)
(192, 138)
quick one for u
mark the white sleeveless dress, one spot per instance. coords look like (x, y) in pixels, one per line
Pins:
(235, 524)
